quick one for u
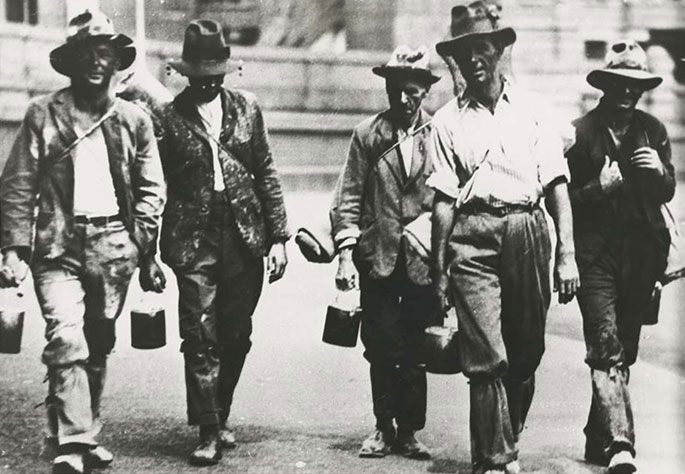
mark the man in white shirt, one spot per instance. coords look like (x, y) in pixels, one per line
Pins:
(496, 156)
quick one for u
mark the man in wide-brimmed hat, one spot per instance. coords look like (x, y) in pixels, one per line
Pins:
(381, 189)
(497, 155)
(621, 174)
(225, 214)
(81, 196)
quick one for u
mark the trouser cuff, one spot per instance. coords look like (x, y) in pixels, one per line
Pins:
(203, 419)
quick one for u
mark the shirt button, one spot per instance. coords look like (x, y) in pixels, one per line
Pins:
(204, 208)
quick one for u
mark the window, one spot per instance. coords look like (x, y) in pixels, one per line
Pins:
(22, 11)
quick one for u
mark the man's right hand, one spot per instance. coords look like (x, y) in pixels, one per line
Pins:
(347, 276)
(610, 177)
(151, 277)
(14, 269)
(442, 291)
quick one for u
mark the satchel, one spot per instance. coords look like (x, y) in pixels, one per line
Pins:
(675, 263)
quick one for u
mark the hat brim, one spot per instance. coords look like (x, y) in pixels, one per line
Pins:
(602, 78)
(205, 67)
(62, 58)
(506, 36)
(392, 72)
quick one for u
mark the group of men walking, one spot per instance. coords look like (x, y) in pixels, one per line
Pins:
(87, 181)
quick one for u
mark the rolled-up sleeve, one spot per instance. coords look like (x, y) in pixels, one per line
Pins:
(444, 176)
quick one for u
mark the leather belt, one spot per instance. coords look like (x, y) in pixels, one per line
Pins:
(500, 210)
(96, 220)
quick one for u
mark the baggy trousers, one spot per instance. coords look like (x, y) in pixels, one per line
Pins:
(617, 276)
(218, 294)
(81, 294)
(395, 313)
(500, 285)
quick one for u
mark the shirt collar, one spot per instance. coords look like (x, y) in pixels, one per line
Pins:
(467, 99)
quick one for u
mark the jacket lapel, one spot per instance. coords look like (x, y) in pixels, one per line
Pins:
(227, 118)
(420, 150)
(59, 110)
(118, 165)
(188, 111)
(388, 140)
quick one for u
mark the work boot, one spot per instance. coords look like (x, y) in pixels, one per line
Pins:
(227, 437)
(513, 467)
(208, 451)
(622, 462)
(99, 457)
(408, 446)
(378, 444)
(71, 463)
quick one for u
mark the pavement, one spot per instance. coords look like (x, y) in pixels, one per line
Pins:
(303, 406)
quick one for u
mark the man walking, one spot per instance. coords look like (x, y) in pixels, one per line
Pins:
(496, 156)
(225, 213)
(621, 173)
(80, 198)
(383, 188)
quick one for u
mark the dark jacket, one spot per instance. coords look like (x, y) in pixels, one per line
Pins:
(637, 202)
(254, 191)
(33, 177)
(375, 200)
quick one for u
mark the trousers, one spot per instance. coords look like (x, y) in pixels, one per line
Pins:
(500, 286)
(395, 313)
(218, 294)
(617, 276)
(81, 294)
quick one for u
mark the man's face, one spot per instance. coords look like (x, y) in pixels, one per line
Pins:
(205, 88)
(96, 63)
(405, 96)
(622, 95)
(477, 59)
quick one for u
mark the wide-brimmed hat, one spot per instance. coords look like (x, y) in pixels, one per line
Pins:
(477, 19)
(625, 59)
(408, 62)
(90, 26)
(205, 52)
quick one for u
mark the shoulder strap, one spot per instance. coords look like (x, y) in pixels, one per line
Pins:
(87, 133)
(203, 133)
(399, 142)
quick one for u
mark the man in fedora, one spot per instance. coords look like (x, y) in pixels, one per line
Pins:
(80, 198)
(224, 215)
(621, 174)
(497, 155)
(382, 188)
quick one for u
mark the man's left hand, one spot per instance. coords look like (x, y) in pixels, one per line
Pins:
(647, 158)
(566, 277)
(276, 262)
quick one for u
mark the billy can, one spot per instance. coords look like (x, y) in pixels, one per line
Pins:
(148, 325)
(343, 317)
(11, 320)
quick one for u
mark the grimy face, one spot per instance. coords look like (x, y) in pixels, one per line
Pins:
(405, 96)
(478, 60)
(205, 88)
(622, 95)
(96, 63)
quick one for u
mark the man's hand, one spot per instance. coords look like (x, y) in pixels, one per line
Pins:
(276, 261)
(610, 177)
(566, 277)
(14, 269)
(151, 276)
(347, 276)
(442, 292)
(648, 159)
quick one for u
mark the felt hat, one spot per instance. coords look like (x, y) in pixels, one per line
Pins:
(90, 26)
(625, 59)
(205, 52)
(408, 62)
(477, 19)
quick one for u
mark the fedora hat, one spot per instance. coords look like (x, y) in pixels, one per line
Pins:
(205, 52)
(90, 26)
(625, 59)
(407, 62)
(477, 19)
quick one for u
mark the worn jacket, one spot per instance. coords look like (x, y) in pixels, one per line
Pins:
(637, 202)
(376, 200)
(255, 196)
(35, 180)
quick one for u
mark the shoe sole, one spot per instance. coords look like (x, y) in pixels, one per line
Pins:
(66, 468)
(417, 456)
(204, 462)
(373, 455)
(625, 468)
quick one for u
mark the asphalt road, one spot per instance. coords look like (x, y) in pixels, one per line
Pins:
(304, 407)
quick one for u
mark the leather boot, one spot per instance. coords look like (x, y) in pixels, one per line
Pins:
(208, 452)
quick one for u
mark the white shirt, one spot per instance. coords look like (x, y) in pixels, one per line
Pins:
(517, 150)
(93, 186)
(211, 114)
(406, 139)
